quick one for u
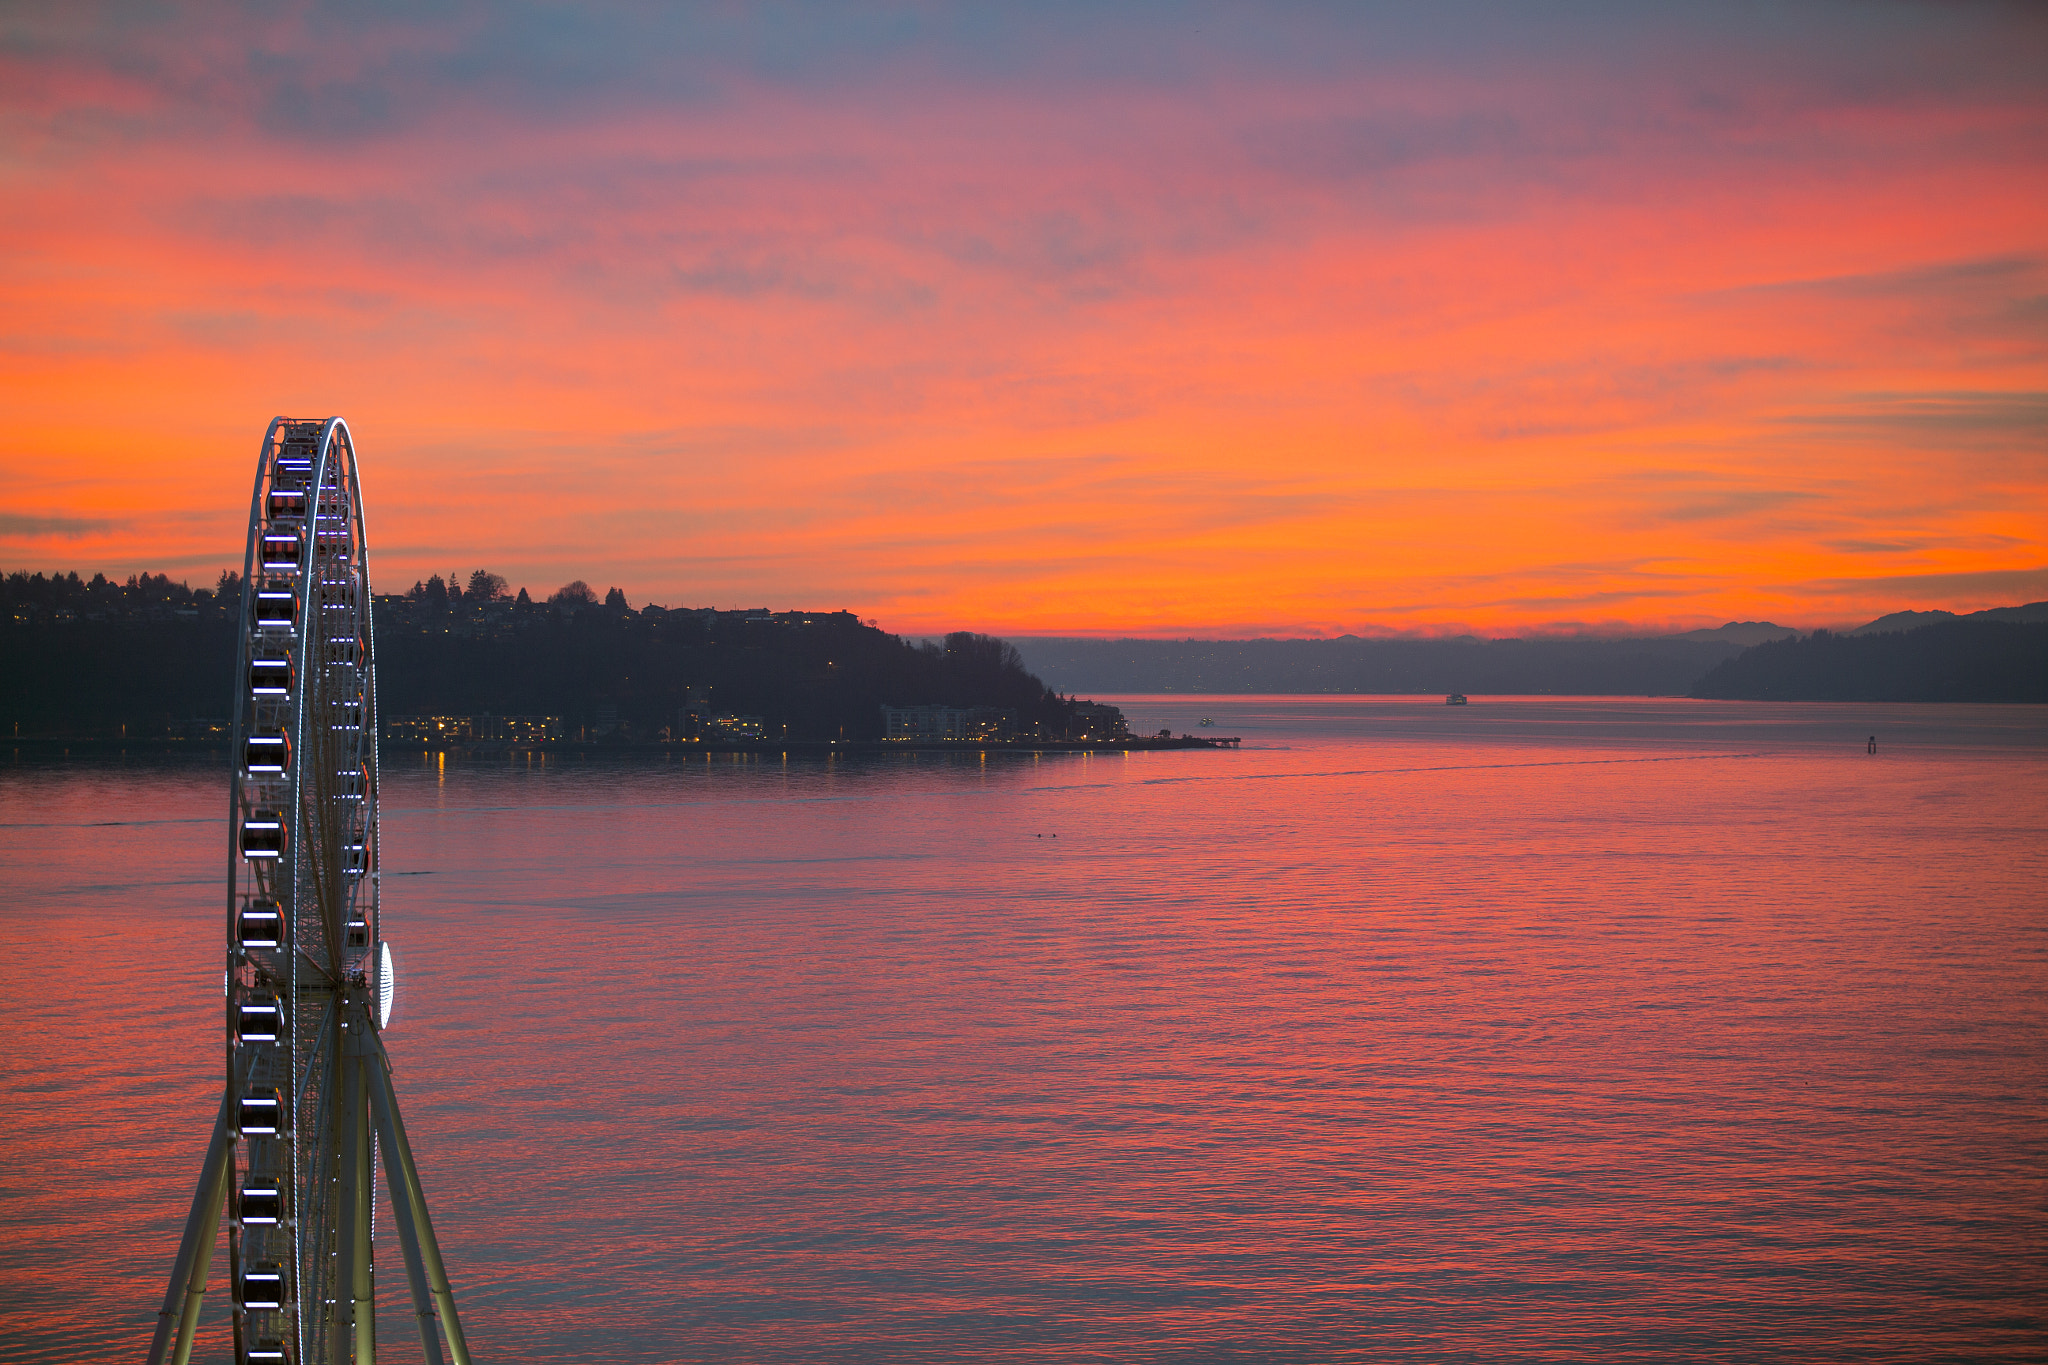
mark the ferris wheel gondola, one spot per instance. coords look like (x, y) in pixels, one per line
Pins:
(308, 1102)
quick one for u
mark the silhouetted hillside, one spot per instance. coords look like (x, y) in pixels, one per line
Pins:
(1956, 660)
(823, 675)
(150, 657)
(1899, 622)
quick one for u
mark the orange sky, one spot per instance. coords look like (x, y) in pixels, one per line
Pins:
(1176, 321)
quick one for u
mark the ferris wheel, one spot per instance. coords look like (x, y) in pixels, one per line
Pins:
(308, 1108)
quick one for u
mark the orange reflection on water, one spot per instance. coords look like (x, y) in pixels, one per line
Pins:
(1533, 1030)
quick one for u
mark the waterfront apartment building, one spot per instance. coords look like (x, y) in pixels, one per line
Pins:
(947, 722)
(1093, 720)
(470, 729)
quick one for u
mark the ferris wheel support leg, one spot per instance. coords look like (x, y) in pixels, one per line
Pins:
(408, 1236)
(363, 1271)
(341, 1325)
(392, 1127)
(180, 1316)
(354, 1329)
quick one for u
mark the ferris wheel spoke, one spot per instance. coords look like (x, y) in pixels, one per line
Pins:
(313, 1057)
(318, 968)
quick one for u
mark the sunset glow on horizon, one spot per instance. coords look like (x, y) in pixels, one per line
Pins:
(1276, 321)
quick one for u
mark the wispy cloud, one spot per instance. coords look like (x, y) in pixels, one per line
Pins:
(27, 527)
(1949, 416)
(1062, 316)
(1966, 584)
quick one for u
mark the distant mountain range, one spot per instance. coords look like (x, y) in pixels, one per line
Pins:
(1913, 620)
(1662, 665)
(1740, 633)
(1760, 632)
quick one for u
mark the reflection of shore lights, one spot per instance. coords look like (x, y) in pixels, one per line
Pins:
(387, 985)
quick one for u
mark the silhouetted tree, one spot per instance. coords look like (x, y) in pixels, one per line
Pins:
(576, 593)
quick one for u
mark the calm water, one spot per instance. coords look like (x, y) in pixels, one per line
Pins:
(1544, 1030)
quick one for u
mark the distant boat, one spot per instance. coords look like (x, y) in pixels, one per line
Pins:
(1455, 699)
(1207, 721)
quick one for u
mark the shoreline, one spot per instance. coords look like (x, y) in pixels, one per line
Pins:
(44, 747)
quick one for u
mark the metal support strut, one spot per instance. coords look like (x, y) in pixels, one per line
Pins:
(180, 1315)
(415, 1271)
(354, 1323)
(362, 1269)
(411, 1199)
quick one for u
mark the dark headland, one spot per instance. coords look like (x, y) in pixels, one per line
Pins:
(153, 660)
